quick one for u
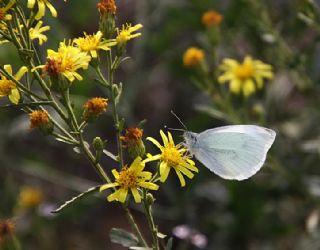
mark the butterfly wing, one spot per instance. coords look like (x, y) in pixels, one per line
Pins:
(234, 152)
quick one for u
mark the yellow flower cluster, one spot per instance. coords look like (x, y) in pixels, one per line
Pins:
(132, 179)
(77, 54)
(245, 78)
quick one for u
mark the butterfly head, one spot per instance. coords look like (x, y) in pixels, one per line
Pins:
(190, 139)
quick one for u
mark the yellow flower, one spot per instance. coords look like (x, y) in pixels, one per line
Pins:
(42, 4)
(172, 156)
(91, 43)
(36, 32)
(9, 87)
(30, 197)
(211, 18)
(131, 179)
(247, 76)
(66, 61)
(3, 11)
(193, 56)
(125, 34)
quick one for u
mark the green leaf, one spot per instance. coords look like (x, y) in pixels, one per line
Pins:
(123, 237)
(169, 244)
(110, 155)
(161, 235)
(76, 198)
(118, 93)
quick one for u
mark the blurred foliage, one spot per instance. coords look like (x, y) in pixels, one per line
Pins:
(276, 209)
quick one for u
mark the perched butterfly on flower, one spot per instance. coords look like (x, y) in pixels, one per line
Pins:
(233, 152)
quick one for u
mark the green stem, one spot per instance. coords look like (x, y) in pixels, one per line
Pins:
(93, 160)
(135, 227)
(114, 108)
(71, 115)
(153, 228)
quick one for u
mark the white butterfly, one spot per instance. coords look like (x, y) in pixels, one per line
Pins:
(233, 152)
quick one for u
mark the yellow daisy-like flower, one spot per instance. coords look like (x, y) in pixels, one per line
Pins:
(36, 32)
(247, 76)
(66, 61)
(125, 34)
(92, 43)
(172, 156)
(3, 11)
(9, 87)
(42, 4)
(131, 179)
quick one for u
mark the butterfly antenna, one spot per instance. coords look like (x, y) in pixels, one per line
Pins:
(184, 126)
(174, 129)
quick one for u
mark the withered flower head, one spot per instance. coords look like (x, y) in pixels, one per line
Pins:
(133, 142)
(94, 107)
(7, 228)
(107, 6)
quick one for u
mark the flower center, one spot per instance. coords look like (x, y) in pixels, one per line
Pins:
(244, 71)
(171, 156)
(127, 179)
(53, 67)
(89, 43)
(124, 36)
(6, 86)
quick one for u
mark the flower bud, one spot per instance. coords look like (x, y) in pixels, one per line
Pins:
(193, 57)
(107, 10)
(150, 199)
(98, 144)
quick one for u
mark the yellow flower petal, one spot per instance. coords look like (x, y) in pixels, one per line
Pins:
(155, 142)
(109, 185)
(136, 195)
(181, 178)
(164, 171)
(149, 185)
(14, 97)
(164, 138)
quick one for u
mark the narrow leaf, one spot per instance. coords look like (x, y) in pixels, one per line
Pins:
(76, 198)
(161, 235)
(123, 237)
(169, 244)
(109, 154)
